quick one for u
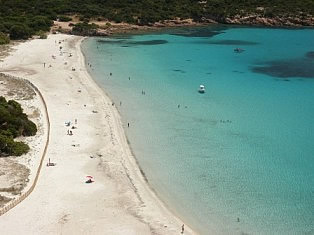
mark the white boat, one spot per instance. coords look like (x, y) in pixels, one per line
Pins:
(201, 89)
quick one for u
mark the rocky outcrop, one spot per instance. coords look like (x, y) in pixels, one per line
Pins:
(183, 22)
(278, 21)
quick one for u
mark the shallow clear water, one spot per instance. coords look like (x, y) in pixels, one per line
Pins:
(245, 148)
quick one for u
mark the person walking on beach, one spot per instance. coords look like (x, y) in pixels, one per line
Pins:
(128, 124)
(182, 228)
(44, 65)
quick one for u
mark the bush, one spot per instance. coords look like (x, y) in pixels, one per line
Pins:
(4, 142)
(42, 35)
(4, 39)
(81, 18)
(9, 147)
(30, 128)
(2, 27)
(19, 148)
(19, 31)
(14, 107)
(40, 23)
(64, 18)
(14, 123)
(84, 29)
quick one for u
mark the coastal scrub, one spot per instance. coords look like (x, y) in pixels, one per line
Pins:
(13, 123)
(4, 39)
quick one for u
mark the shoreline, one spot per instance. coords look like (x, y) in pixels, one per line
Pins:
(110, 28)
(120, 200)
(135, 166)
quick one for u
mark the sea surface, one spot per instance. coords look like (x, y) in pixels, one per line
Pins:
(238, 159)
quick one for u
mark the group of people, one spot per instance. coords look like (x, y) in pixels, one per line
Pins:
(69, 132)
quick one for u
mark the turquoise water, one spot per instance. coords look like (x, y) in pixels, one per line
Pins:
(245, 148)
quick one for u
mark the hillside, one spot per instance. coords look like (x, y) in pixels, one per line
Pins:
(19, 19)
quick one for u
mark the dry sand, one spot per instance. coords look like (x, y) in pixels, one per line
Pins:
(17, 173)
(119, 201)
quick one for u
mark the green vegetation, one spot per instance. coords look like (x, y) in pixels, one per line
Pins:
(23, 18)
(13, 123)
(64, 18)
(84, 29)
(42, 35)
(19, 31)
(4, 39)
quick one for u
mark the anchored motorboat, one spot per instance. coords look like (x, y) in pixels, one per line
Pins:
(201, 89)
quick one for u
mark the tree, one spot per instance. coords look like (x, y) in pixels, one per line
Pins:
(19, 31)
(84, 29)
(4, 39)
(38, 23)
(64, 18)
(42, 34)
(13, 123)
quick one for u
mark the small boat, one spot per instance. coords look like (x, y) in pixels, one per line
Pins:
(238, 50)
(201, 89)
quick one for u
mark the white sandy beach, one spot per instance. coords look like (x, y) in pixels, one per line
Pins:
(119, 201)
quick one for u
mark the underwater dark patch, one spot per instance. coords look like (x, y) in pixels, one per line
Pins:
(198, 34)
(202, 32)
(294, 68)
(231, 42)
(148, 42)
(110, 41)
(178, 70)
(132, 43)
(236, 71)
(310, 54)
